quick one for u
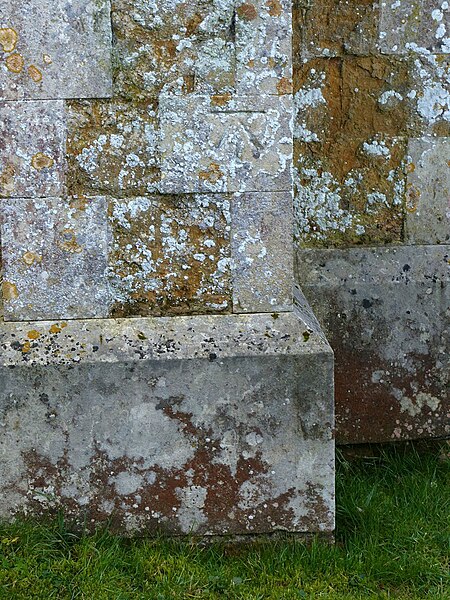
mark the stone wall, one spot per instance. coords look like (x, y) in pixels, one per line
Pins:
(372, 171)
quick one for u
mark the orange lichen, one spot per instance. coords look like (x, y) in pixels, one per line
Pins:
(8, 39)
(55, 328)
(284, 86)
(33, 334)
(14, 63)
(247, 11)
(10, 290)
(29, 258)
(213, 174)
(41, 161)
(275, 8)
(35, 74)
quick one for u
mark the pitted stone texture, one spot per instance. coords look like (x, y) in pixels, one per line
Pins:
(225, 143)
(334, 28)
(264, 47)
(408, 24)
(428, 191)
(261, 252)
(430, 94)
(173, 46)
(170, 255)
(386, 313)
(32, 148)
(112, 147)
(54, 254)
(350, 151)
(207, 444)
(61, 49)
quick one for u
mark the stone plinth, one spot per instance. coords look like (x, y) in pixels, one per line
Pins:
(208, 424)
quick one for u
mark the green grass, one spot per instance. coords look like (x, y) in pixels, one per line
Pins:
(392, 541)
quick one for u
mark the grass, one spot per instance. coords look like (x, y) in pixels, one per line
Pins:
(392, 541)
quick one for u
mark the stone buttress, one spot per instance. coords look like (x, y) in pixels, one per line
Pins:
(156, 371)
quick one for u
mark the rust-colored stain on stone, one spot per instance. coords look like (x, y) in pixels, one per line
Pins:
(284, 86)
(275, 8)
(213, 174)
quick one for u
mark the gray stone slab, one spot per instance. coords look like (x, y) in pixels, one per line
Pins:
(262, 233)
(386, 314)
(32, 148)
(55, 49)
(54, 255)
(428, 191)
(225, 143)
(170, 255)
(410, 24)
(187, 425)
(264, 47)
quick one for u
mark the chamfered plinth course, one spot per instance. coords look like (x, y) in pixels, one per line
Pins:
(202, 424)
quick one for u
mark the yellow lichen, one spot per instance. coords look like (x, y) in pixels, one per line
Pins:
(29, 258)
(42, 161)
(8, 39)
(55, 328)
(26, 347)
(33, 334)
(34, 73)
(220, 99)
(10, 290)
(14, 62)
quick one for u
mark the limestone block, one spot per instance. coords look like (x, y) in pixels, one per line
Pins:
(334, 28)
(225, 143)
(430, 94)
(112, 147)
(428, 191)
(32, 148)
(55, 49)
(170, 255)
(264, 47)
(261, 252)
(350, 122)
(54, 255)
(193, 425)
(385, 312)
(409, 24)
(173, 47)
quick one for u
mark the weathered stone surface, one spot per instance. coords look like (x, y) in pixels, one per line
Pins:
(32, 148)
(386, 313)
(225, 143)
(261, 252)
(428, 190)
(264, 47)
(112, 147)
(54, 255)
(170, 255)
(408, 24)
(163, 459)
(55, 49)
(334, 28)
(350, 150)
(174, 47)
